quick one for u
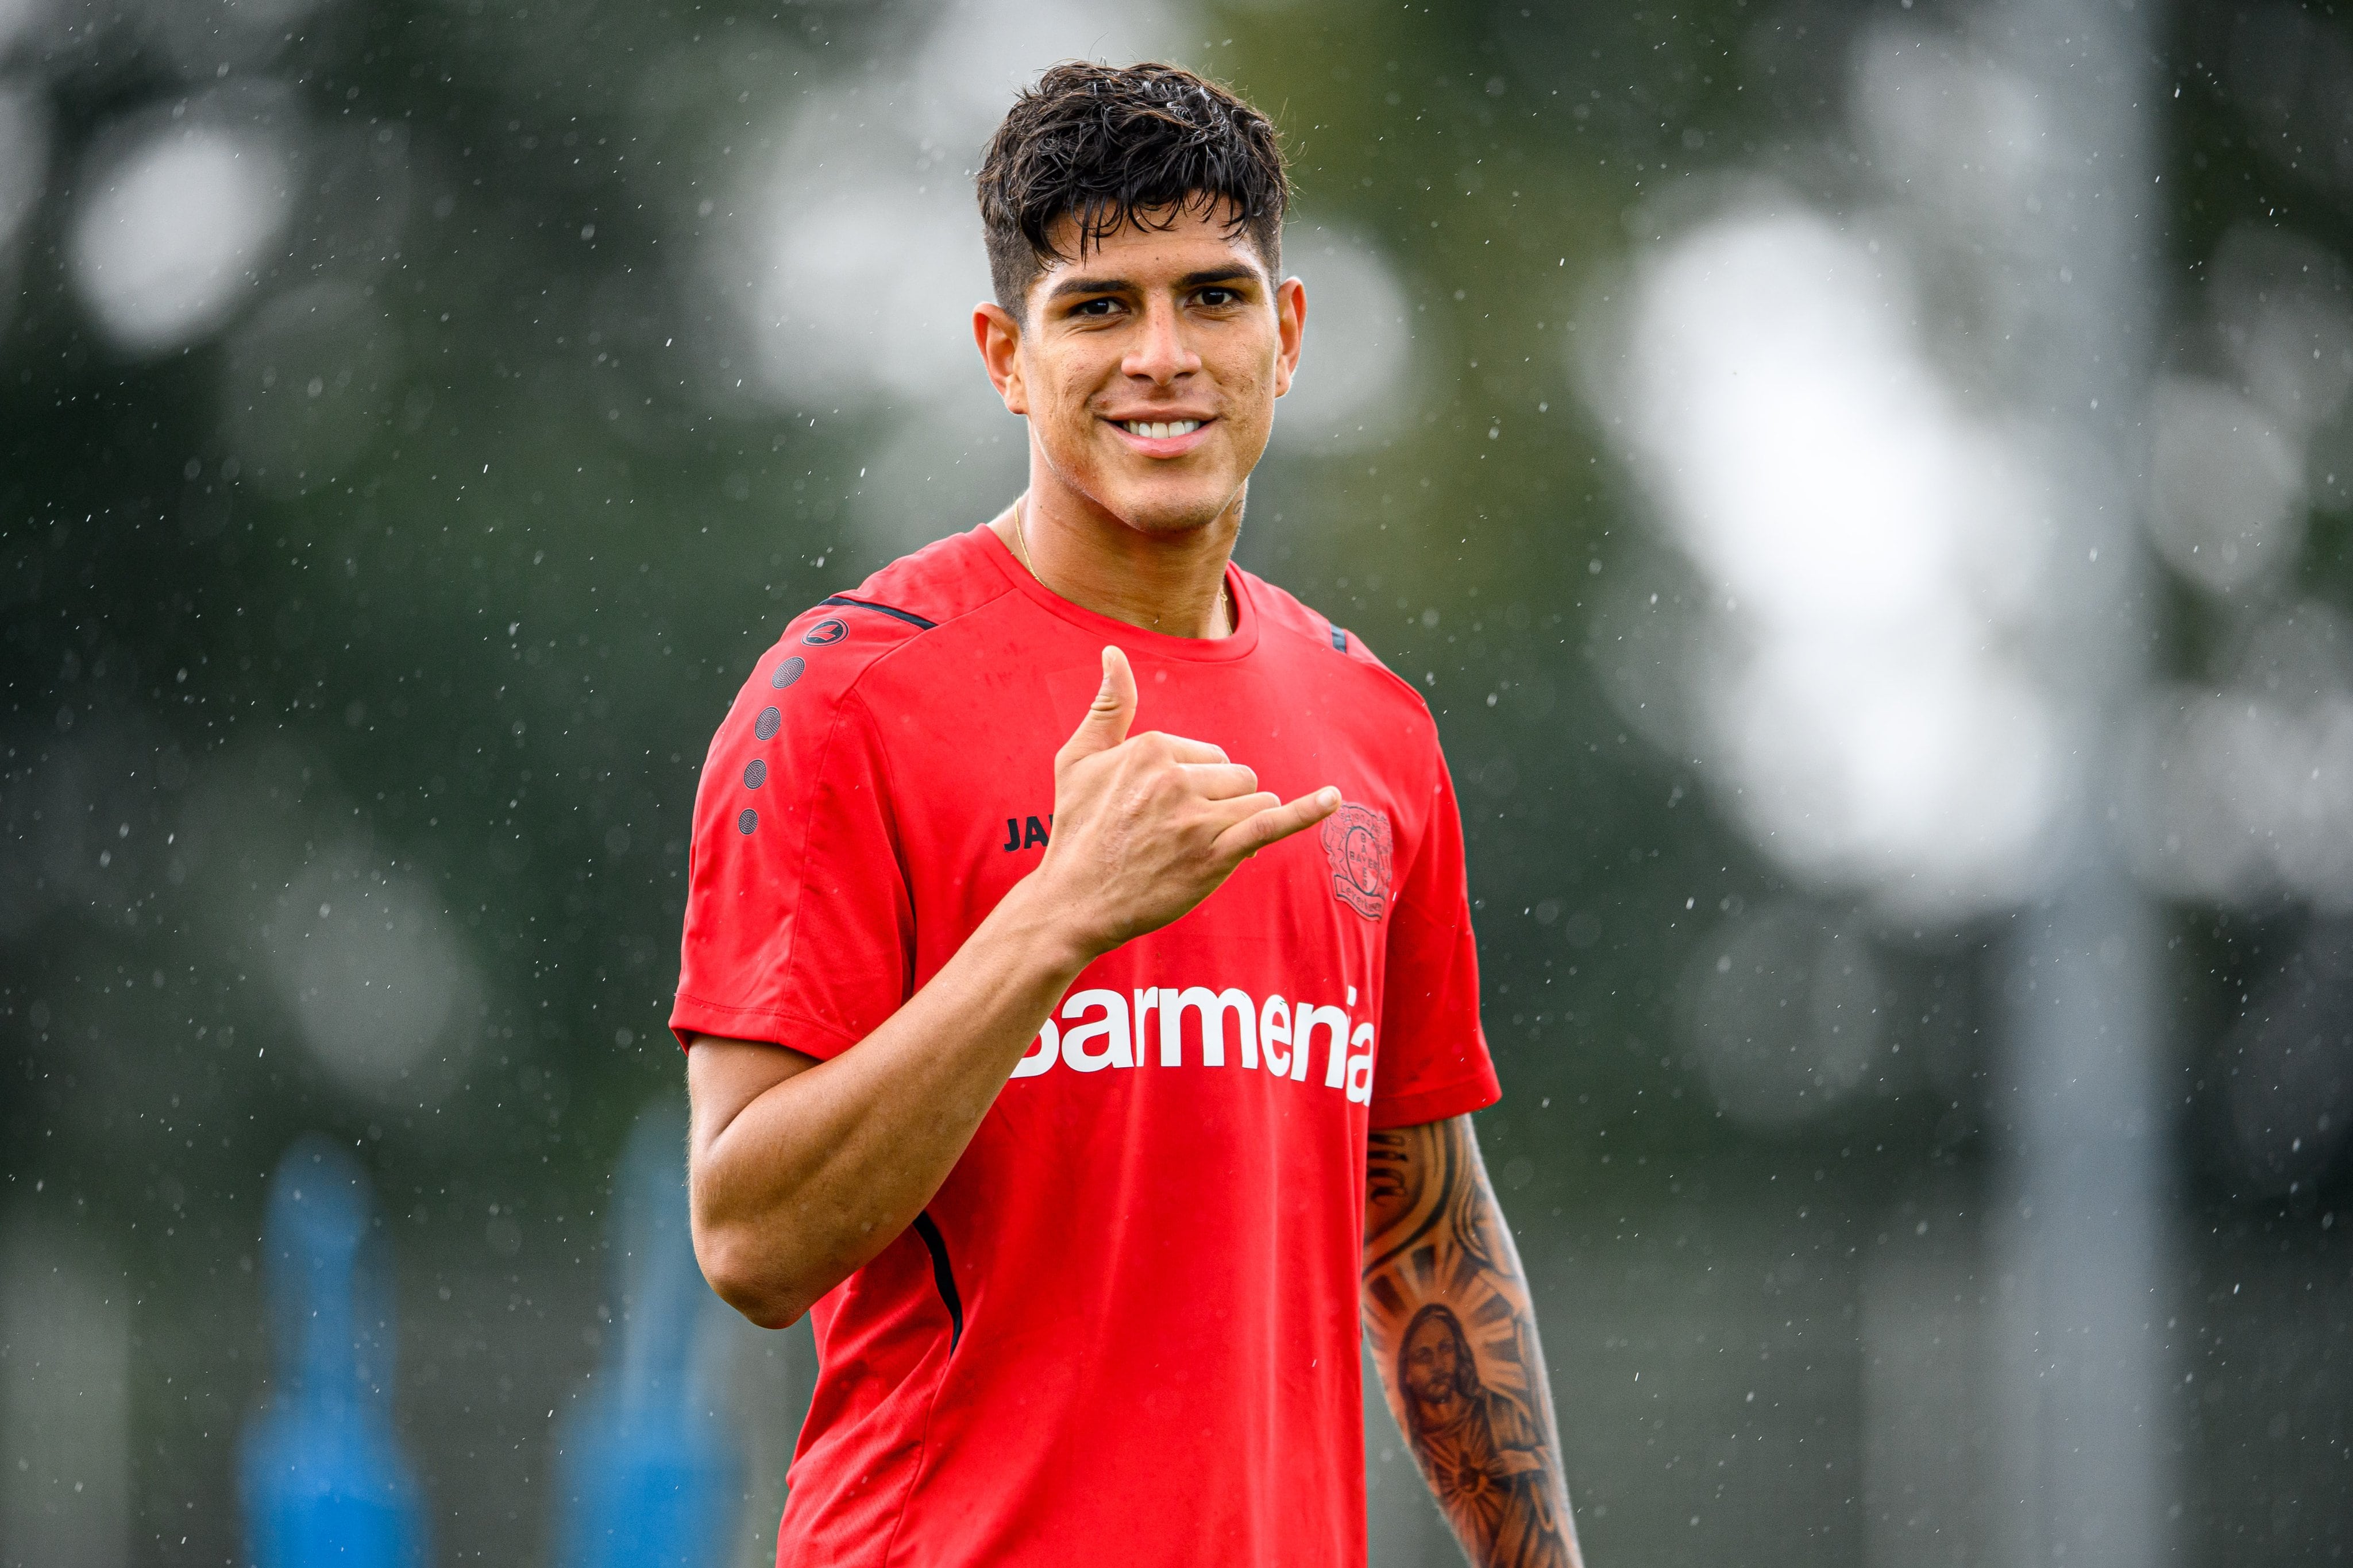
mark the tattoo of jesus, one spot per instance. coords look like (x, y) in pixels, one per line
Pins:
(1448, 1313)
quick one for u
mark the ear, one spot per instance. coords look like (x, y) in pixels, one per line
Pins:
(998, 336)
(1290, 324)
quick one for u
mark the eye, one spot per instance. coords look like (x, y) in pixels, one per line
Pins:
(1101, 306)
(1218, 299)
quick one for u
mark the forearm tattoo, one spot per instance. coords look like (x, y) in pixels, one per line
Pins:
(1448, 1314)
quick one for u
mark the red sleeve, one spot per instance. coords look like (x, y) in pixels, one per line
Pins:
(799, 929)
(1434, 1060)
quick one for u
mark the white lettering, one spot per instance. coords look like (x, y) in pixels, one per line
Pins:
(1274, 1029)
(1104, 1028)
(1042, 1055)
(1145, 1000)
(1334, 1023)
(1360, 1066)
(1213, 1006)
(1110, 1028)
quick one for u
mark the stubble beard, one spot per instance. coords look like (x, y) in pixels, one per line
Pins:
(1156, 516)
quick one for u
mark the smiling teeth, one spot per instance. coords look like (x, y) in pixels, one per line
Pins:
(1160, 432)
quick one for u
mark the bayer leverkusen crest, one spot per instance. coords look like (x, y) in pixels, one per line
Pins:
(1356, 842)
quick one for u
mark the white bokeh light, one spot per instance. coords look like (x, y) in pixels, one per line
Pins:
(1963, 137)
(981, 52)
(862, 258)
(854, 256)
(2244, 781)
(1924, 774)
(2226, 486)
(2280, 306)
(384, 992)
(2247, 786)
(19, 19)
(1866, 543)
(1353, 383)
(171, 234)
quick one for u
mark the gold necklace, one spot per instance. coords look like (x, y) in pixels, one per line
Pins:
(1226, 606)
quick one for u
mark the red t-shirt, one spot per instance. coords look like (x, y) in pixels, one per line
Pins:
(1126, 1328)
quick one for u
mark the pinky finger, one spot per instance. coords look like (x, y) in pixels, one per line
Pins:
(1276, 822)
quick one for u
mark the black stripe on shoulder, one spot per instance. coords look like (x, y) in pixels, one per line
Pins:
(942, 1276)
(909, 617)
(1339, 637)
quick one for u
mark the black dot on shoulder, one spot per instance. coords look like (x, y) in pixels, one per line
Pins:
(788, 671)
(755, 774)
(748, 821)
(766, 724)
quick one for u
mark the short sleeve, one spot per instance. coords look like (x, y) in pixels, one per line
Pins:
(1433, 1060)
(799, 929)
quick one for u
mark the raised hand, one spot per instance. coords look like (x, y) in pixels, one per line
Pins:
(1146, 827)
(805, 1169)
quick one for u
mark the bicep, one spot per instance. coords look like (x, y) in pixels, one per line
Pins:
(1420, 1180)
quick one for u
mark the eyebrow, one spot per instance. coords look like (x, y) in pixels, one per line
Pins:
(1070, 286)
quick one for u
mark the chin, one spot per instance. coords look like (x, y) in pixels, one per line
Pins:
(1155, 500)
(1170, 514)
(1168, 503)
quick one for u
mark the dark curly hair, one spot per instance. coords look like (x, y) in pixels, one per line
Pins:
(1111, 145)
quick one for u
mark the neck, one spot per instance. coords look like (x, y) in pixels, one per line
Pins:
(1170, 582)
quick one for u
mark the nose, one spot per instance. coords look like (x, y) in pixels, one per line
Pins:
(1160, 353)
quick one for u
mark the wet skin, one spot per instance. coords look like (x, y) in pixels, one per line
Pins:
(1185, 325)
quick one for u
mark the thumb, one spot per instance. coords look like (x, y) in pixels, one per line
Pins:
(1109, 715)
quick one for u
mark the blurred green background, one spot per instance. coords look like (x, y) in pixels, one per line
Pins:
(415, 418)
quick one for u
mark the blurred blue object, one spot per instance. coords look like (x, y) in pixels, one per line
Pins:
(646, 1472)
(323, 1480)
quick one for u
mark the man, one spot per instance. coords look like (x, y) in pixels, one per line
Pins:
(1085, 1084)
(1484, 1454)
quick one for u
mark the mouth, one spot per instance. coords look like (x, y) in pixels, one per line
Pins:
(1162, 437)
